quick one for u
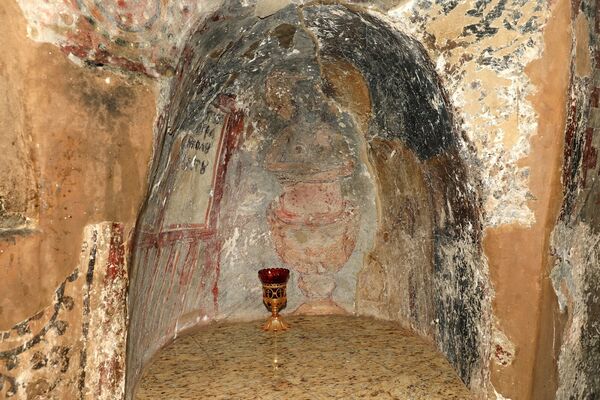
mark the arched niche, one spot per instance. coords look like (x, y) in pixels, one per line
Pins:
(319, 139)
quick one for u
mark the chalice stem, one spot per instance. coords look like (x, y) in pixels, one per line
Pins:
(275, 322)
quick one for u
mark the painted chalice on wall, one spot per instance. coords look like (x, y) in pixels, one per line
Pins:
(313, 226)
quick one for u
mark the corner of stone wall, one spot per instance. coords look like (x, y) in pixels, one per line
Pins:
(75, 347)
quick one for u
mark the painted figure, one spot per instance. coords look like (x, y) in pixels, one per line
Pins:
(313, 226)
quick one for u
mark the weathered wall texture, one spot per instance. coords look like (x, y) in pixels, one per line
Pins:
(506, 65)
(75, 347)
(484, 189)
(481, 49)
(75, 150)
(134, 36)
(576, 238)
(308, 139)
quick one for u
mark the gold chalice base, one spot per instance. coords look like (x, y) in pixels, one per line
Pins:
(275, 298)
(275, 324)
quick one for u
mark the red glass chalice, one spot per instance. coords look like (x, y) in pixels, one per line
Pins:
(274, 282)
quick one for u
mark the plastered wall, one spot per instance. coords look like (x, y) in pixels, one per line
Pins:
(574, 240)
(76, 147)
(84, 87)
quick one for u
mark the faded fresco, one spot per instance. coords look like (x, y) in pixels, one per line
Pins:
(74, 348)
(134, 36)
(281, 147)
(402, 158)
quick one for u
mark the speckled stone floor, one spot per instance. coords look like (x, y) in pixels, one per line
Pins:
(327, 357)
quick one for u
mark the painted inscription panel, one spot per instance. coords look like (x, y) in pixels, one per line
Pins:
(192, 194)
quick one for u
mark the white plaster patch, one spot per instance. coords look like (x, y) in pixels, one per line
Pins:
(499, 396)
(264, 8)
(64, 23)
(46, 18)
(485, 77)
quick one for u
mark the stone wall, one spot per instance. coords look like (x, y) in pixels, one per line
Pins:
(290, 141)
(576, 238)
(76, 151)
(75, 347)
(506, 65)
(518, 74)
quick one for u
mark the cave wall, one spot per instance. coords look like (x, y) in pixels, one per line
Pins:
(75, 152)
(509, 67)
(74, 348)
(575, 239)
(506, 65)
(237, 185)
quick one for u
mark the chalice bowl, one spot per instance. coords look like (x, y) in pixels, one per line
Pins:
(274, 282)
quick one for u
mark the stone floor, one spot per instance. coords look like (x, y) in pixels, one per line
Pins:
(327, 357)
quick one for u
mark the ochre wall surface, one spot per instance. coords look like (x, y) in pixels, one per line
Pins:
(74, 348)
(523, 84)
(83, 140)
(520, 255)
(509, 72)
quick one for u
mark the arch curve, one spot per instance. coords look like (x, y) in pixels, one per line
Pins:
(320, 139)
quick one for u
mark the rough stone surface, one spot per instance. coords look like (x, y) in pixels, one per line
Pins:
(505, 66)
(481, 49)
(303, 176)
(576, 238)
(576, 280)
(82, 140)
(74, 348)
